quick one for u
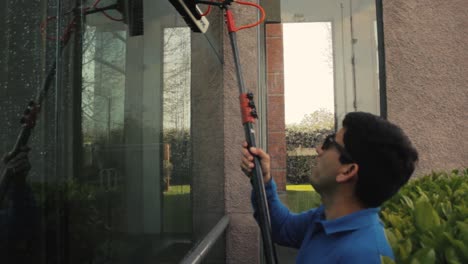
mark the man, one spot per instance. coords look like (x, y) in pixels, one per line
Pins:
(358, 168)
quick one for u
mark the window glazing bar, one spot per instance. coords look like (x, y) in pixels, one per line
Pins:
(200, 251)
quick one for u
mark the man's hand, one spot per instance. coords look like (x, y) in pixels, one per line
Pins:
(17, 165)
(248, 161)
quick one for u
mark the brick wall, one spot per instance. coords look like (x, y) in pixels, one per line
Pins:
(275, 99)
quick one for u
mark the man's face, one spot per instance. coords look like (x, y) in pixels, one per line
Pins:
(323, 177)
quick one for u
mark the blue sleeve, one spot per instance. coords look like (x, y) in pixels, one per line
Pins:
(288, 229)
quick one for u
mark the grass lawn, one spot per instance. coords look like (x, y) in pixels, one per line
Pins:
(299, 187)
(178, 211)
(300, 198)
(178, 189)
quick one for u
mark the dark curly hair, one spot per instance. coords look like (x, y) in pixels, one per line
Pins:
(385, 156)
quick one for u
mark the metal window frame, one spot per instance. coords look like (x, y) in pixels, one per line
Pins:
(381, 54)
(199, 252)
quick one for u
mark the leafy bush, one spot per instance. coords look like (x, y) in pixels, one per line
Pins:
(299, 136)
(317, 120)
(427, 221)
(299, 168)
(179, 140)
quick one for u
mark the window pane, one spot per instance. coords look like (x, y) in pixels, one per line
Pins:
(176, 131)
(309, 95)
(27, 57)
(136, 126)
(308, 69)
(112, 179)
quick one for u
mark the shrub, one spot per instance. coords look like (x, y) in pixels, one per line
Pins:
(308, 133)
(299, 136)
(179, 140)
(427, 221)
(299, 168)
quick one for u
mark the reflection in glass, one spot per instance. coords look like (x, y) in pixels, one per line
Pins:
(176, 130)
(125, 160)
(25, 55)
(112, 153)
(103, 86)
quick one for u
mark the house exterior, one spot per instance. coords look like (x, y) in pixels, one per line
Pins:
(140, 135)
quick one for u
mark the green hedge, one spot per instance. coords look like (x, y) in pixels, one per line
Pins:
(299, 168)
(300, 137)
(427, 221)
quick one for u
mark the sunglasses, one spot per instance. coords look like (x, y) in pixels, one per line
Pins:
(330, 141)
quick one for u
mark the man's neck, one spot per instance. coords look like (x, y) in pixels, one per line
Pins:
(337, 206)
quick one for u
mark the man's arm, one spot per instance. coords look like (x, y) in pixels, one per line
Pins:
(288, 229)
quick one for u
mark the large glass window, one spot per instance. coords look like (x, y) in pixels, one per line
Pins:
(117, 172)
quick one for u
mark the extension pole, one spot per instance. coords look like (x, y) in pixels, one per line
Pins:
(248, 121)
(28, 122)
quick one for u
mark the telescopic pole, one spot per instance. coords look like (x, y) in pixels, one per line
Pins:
(248, 118)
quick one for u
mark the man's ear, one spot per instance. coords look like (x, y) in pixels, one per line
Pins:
(347, 172)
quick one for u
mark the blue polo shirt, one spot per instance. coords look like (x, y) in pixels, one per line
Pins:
(355, 238)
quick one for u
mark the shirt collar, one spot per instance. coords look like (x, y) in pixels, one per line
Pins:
(354, 221)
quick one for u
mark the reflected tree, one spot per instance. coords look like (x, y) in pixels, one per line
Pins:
(103, 85)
